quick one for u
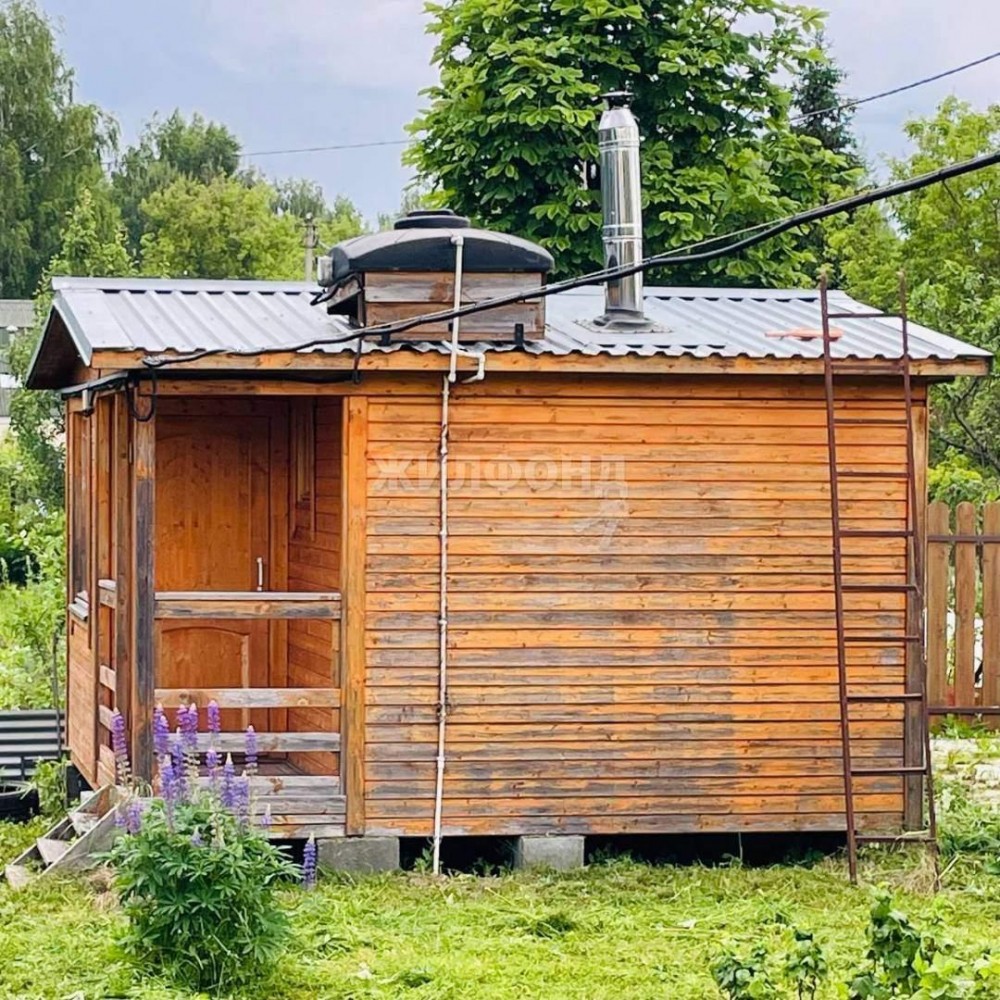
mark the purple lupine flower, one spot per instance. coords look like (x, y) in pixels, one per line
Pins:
(214, 718)
(190, 728)
(265, 820)
(309, 863)
(228, 794)
(161, 733)
(168, 787)
(119, 744)
(120, 818)
(212, 764)
(196, 840)
(133, 816)
(177, 761)
(250, 747)
(241, 803)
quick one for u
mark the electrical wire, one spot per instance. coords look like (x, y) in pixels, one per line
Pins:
(327, 149)
(847, 105)
(757, 234)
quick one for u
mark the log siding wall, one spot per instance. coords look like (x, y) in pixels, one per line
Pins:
(641, 627)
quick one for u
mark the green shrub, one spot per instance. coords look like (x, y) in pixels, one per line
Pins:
(199, 895)
(196, 876)
(32, 660)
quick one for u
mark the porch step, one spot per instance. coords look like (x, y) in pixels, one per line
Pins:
(51, 849)
(71, 844)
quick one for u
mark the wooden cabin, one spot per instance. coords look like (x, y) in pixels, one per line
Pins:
(625, 594)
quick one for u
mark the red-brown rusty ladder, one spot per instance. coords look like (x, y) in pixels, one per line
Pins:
(911, 639)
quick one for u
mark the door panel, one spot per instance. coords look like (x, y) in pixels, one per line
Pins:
(212, 526)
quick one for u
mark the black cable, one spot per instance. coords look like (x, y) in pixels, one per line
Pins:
(847, 105)
(762, 234)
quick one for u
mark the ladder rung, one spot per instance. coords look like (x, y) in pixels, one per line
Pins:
(875, 533)
(864, 315)
(877, 772)
(881, 638)
(879, 588)
(870, 422)
(858, 474)
(900, 838)
(905, 696)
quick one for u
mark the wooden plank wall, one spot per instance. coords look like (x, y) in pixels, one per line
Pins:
(81, 680)
(643, 643)
(314, 565)
(963, 609)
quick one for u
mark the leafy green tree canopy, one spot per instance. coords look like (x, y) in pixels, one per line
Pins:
(226, 228)
(169, 149)
(50, 146)
(947, 238)
(510, 133)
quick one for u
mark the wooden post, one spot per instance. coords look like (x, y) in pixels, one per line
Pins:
(936, 596)
(353, 587)
(965, 608)
(144, 594)
(122, 500)
(991, 607)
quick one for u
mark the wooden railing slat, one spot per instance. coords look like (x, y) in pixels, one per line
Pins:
(991, 606)
(109, 677)
(965, 607)
(250, 604)
(938, 553)
(250, 697)
(268, 742)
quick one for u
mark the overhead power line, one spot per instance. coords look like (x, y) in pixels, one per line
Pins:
(674, 257)
(326, 149)
(847, 105)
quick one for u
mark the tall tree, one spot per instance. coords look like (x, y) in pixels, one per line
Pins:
(334, 221)
(947, 239)
(93, 244)
(820, 106)
(50, 146)
(226, 228)
(169, 149)
(510, 134)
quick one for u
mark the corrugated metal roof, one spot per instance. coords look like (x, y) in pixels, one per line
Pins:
(157, 315)
(19, 313)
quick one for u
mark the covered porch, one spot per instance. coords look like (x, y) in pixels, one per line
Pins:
(206, 566)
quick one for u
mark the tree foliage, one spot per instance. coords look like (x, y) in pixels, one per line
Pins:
(226, 228)
(167, 150)
(50, 146)
(947, 238)
(510, 132)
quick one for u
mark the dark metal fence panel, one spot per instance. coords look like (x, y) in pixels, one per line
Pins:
(28, 736)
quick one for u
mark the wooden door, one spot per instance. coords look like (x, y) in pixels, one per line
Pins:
(212, 534)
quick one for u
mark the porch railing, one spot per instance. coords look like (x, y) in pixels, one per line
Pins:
(202, 605)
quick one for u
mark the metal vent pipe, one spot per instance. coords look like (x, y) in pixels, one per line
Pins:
(621, 196)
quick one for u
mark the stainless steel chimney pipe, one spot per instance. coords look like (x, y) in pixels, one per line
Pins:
(621, 196)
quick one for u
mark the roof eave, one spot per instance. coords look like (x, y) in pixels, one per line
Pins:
(60, 347)
(410, 359)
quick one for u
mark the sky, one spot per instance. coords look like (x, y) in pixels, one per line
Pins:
(286, 74)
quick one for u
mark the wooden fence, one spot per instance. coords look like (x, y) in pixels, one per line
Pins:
(963, 609)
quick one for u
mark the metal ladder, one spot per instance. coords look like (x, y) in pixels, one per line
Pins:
(911, 638)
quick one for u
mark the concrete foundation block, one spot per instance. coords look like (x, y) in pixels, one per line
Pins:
(359, 854)
(560, 853)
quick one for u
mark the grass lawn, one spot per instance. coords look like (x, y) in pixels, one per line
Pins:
(617, 929)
